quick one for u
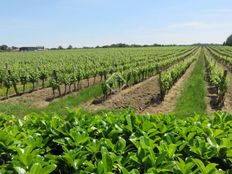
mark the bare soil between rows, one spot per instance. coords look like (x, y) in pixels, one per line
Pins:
(143, 97)
(169, 103)
(43, 97)
(136, 97)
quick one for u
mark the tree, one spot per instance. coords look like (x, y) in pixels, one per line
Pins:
(70, 47)
(14, 48)
(3, 47)
(229, 41)
(60, 48)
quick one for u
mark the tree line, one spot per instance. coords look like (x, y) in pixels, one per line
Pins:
(228, 41)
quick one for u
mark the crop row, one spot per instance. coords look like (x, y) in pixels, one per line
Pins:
(168, 78)
(221, 55)
(217, 77)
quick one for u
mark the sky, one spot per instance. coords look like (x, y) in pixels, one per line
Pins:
(51, 23)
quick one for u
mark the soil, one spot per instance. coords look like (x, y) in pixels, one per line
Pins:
(41, 98)
(211, 99)
(137, 97)
(169, 103)
(143, 97)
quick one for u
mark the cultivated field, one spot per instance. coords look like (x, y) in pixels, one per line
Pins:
(119, 110)
(146, 79)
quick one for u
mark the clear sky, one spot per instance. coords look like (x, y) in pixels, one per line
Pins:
(97, 22)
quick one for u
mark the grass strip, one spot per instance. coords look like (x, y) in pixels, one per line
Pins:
(59, 106)
(192, 98)
(74, 101)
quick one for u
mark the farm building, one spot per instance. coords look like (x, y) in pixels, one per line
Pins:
(31, 48)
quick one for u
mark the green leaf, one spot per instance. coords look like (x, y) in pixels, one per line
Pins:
(129, 123)
(160, 159)
(210, 168)
(200, 165)
(218, 132)
(36, 169)
(100, 167)
(124, 170)
(212, 141)
(121, 145)
(107, 162)
(147, 125)
(172, 149)
(20, 170)
(134, 171)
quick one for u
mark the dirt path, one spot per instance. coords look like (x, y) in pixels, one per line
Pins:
(168, 105)
(210, 98)
(137, 97)
(42, 98)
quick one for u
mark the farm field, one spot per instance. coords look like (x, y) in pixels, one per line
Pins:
(32, 71)
(115, 87)
(149, 80)
(81, 68)
(118, 110)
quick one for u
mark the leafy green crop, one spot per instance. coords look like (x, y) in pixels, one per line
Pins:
(115, 143)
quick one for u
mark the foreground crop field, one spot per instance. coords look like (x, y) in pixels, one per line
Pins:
(115, 143)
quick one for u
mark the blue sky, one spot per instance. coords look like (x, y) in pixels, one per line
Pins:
(98, 22)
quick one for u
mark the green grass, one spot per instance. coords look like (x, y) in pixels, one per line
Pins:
(17, 109)
(192, 99)
(60, 106)
(74, 101)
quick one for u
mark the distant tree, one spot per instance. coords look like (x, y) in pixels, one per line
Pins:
(60, 48)
(122, 45)
(156, 45)
(70, 47)
(85, 47)
(229, 41)
(14, 48)
(3, 47)
(135, 45)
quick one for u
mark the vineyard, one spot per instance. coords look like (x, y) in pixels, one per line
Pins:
(117, 110)
(27, 72)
